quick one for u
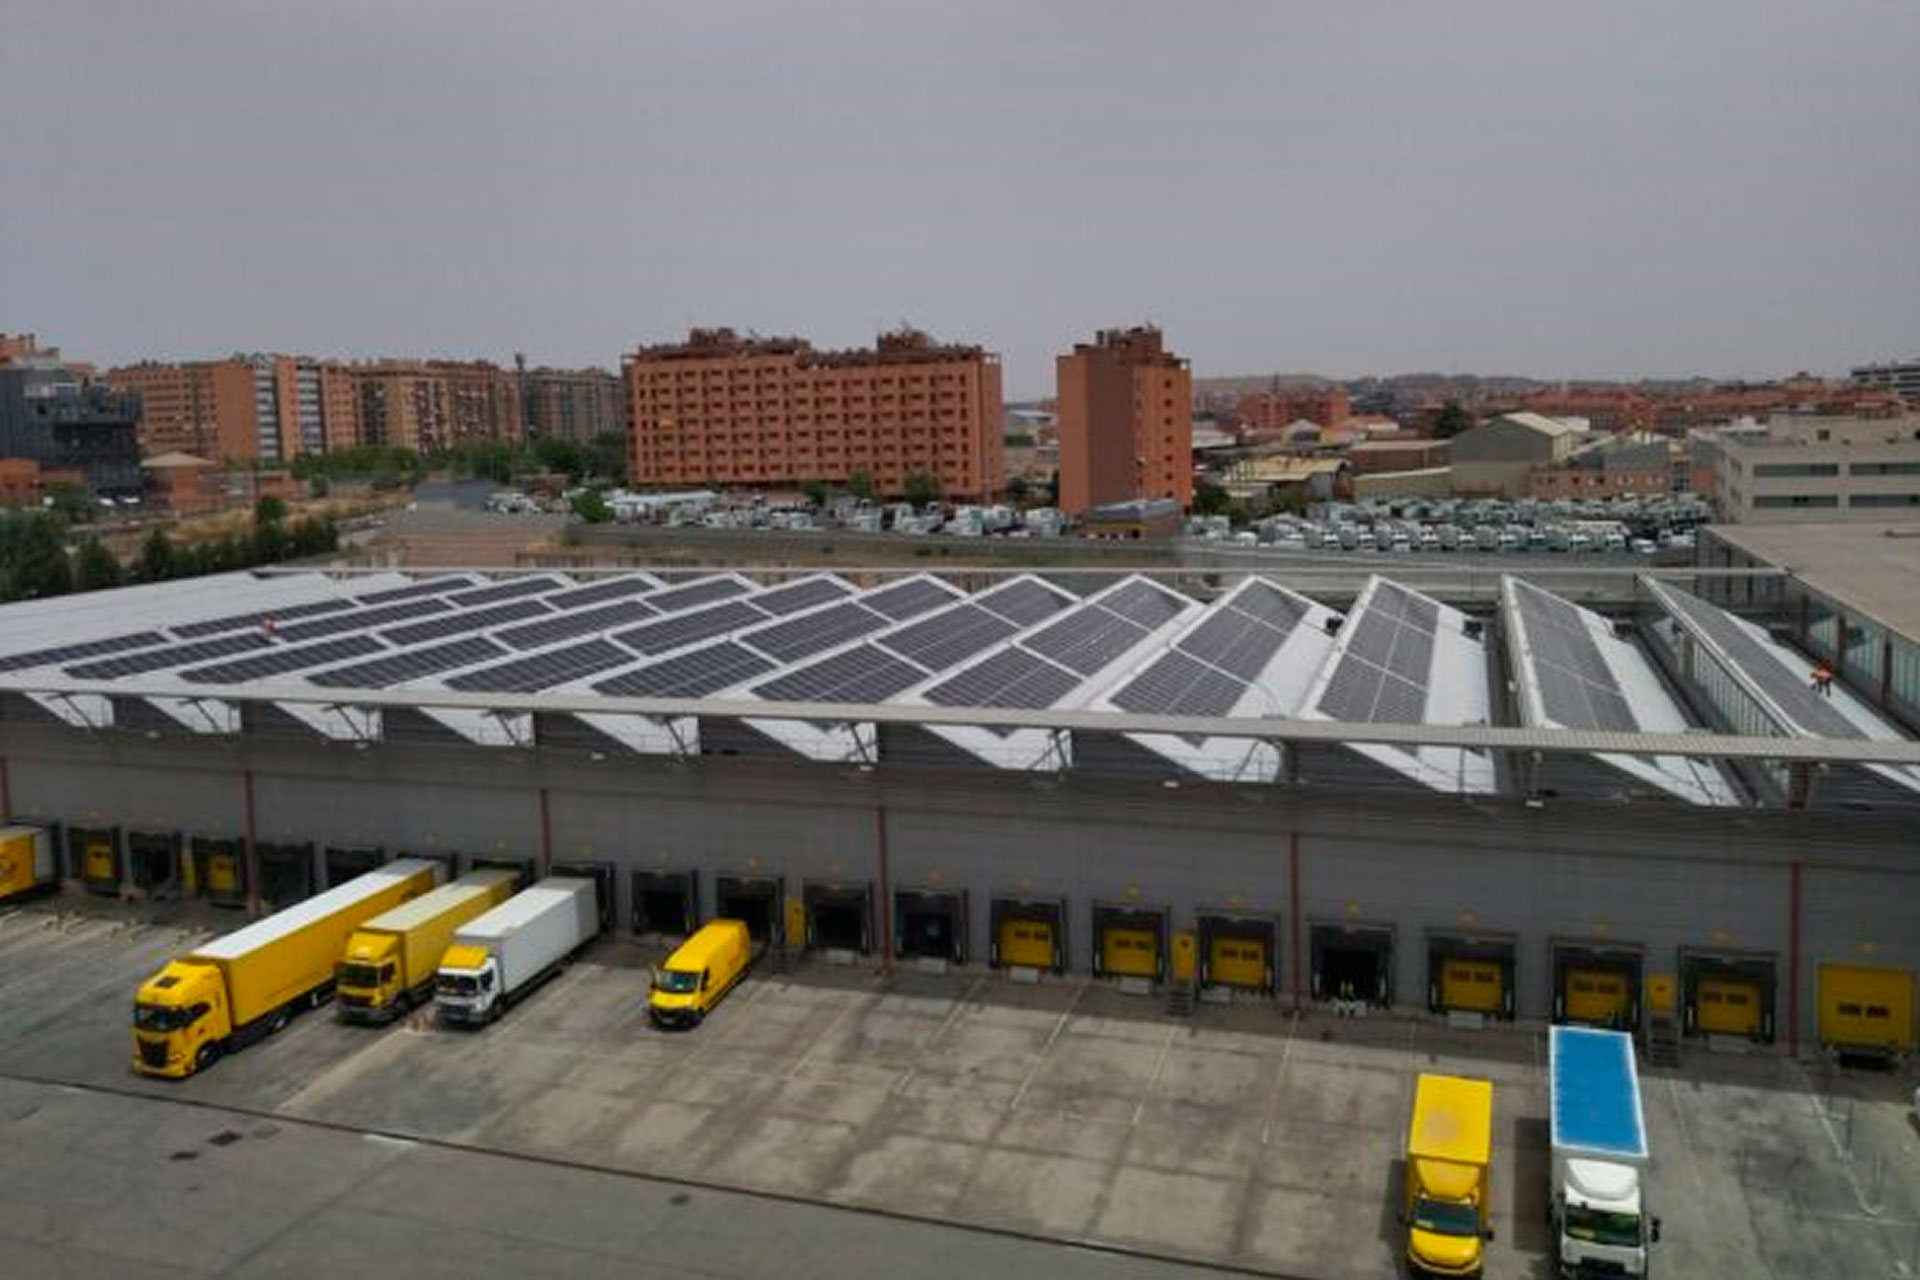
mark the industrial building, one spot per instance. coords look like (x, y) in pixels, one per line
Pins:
(1798, 468)
(1486, 808)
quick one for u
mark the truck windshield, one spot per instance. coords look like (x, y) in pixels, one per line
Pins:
(359, 975)
(458, 984)
(676, 982)
(1601, 1226)
(160, 1017)
(1444, 1218)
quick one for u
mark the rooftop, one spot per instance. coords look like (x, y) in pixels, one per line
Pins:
(1871, 570)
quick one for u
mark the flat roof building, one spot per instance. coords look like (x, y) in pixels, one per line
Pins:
(255, 408)
(1126, 421)
(1902, 377)
(1809, 468)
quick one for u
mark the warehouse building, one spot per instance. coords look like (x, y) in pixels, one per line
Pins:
(1224, 788)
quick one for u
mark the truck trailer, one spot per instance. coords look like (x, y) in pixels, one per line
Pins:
(1449, 1151)
(1599, 1145)
(27, 863)
(391, 960)
(500, 956)
(241, 987)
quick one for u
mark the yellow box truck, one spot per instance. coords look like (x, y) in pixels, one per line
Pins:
(26, 861)
(390, 961)
(239, 988)
(1449, 1149)
(699, 973)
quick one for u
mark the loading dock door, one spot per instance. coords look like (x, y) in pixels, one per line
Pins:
(930, 924)
(1351, 962)
(604, 886)
(286, 873)
(343, 864)
(1238, 951)
(1029, 933)
(1595, 997)
(1727, 994)
(758, 900)
(1866, 1009)
(666, 903)
(94, 855)
(153, 862)
(1597, 986)
(219, 870)
(1729, 1006)
(1129, 942)
(839, 917)
(1470, 974)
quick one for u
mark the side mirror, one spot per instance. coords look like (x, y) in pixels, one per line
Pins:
(1488, 1234)
(1653, 1236)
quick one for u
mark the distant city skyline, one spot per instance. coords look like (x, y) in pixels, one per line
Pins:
(1615, 192)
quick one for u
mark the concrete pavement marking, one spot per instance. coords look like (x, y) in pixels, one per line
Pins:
(1159, 1065)
(1279, 1081)
(1040, 1056)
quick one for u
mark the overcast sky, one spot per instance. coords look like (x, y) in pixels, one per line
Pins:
(1608, 189)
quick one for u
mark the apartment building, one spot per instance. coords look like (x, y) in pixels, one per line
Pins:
(725, 409)
(1270, 412)
(58, 425)
(1901, 377)
(580, 405)
(262, 409)
(1807, 468)
(426, 405)
(1125, 421)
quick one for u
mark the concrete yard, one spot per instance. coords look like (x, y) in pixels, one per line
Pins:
(1065, 1111)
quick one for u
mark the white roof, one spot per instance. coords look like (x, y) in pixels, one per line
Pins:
(297, 917)
(1539, 422)
(411, 915)
(522, 907)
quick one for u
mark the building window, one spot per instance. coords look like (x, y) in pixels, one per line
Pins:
(1884, 500)
(1777, 500)
(1885, 469)
(1779, 470)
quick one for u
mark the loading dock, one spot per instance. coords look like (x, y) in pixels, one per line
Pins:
(93, 854)
(153, 863)
(1351, 961)
(216, 869)
(1866, 1009)
(1727, 993)
(1130, 942)
(1470, 973)
(758, 900)
(1028, 933)
(605, 885)
(286, 873)
(347, 861)
(839, 916)
(521, 867)
(930, 925)
(1239, 952)
(665, 904)
(1597, 986)
(449, 861)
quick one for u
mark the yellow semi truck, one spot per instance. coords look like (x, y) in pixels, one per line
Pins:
(248, 984)
(1449, 1149)
(26, 861)
(391, 960)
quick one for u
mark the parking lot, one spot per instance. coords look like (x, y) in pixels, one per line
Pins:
(1241, 1135)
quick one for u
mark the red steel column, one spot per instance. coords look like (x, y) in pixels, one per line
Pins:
(1793, 956)
(1294, 907)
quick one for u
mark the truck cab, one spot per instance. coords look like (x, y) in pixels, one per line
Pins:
(1603, 1227)
(180, 1020)
(369, 974)
(468, 987)
(1449, 1152)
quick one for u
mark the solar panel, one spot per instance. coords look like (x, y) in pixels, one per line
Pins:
(1086, 640)
(599, 592)
(814, 632)
(1577, 687)
(800, 595)
(579, 623)
(1352, 691)
(430, 587)
(909, 599)
(1010, 678)
(173, 655)
(861, 674)
(415, 664)
(1025, 602)
(689, 675)
(544, 670)
(1143, 603)
(703, 591)
(1275, 608)
(1806, 709)
(688, 628)
(1164, 685)
(513, 590)
(361, 619)
(948, 638)
(233, 622)
(1412, 654)
(282, 660)
(85, 649)
(452, 624)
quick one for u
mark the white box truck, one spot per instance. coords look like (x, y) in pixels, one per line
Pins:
(498, 957)
(1599, 1138)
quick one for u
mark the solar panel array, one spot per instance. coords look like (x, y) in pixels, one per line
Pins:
(950, 637)
(1809, 712)
(689, 675)
(1009, 678)
(1210, 668)
(1024, 601)
(545, 669)
(280, 661)
(84, 649)
(565, 626)
(1093, 635)
(453, 624)
(911, 598)
(513, 589)
(691, 627)
(1577, 688)
(234, 622)
(415, 664)
(800, 595)
(428, 587)
(361, 619)
(599, 592)
(173, 655)
(1382, 676)
(861, 674)
(704, 591)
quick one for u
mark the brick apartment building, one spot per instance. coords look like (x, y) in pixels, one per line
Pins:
(1267, 413)
(725, 409)
(1125, 421)
(263, 409)
(426, 405)
(580, 405)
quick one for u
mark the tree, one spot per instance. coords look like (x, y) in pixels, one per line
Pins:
(269, 542)
(318, 486)
(860, 485)
(95, 567)
(1018, 490)
(1209, 499)
(817, 493)
(33, 559)
(1451, 421)
(922, 489)
(156, 562)
(609, 456)
(591, 507)
(269, 510)
(69, 502)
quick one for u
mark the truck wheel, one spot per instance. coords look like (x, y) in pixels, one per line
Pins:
(208, 1055)
(281, 1017)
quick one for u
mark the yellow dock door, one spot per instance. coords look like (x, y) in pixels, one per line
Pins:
(1026, 944)
(1129, 953)
(1728, 1007)
(1471, 986)
(1863, 1007)
(1597, 996)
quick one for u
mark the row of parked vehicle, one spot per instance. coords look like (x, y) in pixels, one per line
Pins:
(392, 940)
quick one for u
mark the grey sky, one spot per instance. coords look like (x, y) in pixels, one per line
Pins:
(1606, 189)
